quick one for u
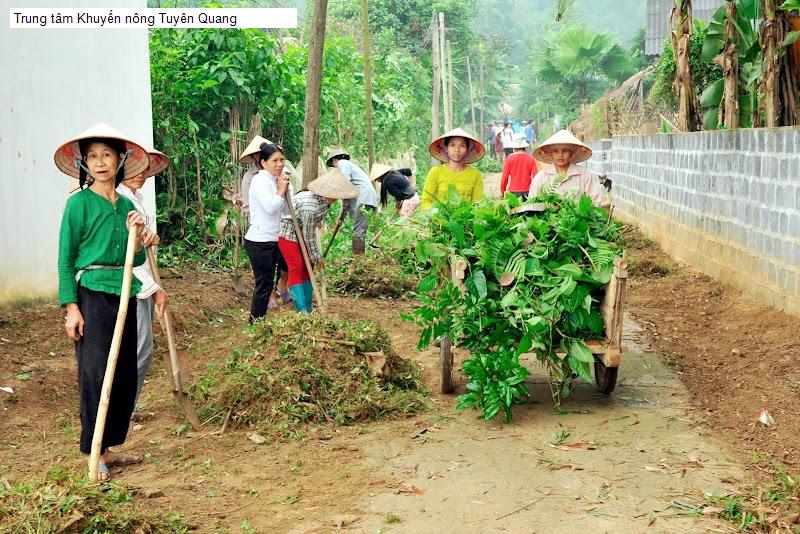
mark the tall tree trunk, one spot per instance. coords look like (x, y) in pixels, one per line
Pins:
(780, 84)
(234, 122)
(368, 80)
(200, 214)
(316, 47)
(728, 60)
(437, 82)
(472, 102)
(681, 21)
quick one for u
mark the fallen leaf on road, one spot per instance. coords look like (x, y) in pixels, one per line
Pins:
(588, 446)
(256, 438)
(765, 418)
(411, 489)
(341, 521)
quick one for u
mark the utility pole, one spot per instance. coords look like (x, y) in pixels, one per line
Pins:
(316, 47)
(443, 71)
(437, 81)
(449, 85)
(472, 102)
(368, 79)
(480, 88)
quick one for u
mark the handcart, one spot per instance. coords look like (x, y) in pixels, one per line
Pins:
(606, 351)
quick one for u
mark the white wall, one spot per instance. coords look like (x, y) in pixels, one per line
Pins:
(56, 83)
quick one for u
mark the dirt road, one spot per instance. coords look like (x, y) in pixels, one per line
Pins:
(629, 462)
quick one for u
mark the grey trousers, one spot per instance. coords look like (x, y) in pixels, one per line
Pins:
(360, 218)
(144, 339)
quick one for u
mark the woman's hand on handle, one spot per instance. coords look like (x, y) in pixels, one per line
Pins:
(282, 184)
(136, 219)
(161, 300)
(149, 238)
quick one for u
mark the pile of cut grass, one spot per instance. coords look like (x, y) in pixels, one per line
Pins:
(374, 275)
(300, 369)
(62, 501)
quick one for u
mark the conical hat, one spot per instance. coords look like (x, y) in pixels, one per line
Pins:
(333, 184)
(378, 170)
(158, 162)
(519, 142)
(332, 153)
(438, 150)
(248, 156)
(563, 137)
(68, 155)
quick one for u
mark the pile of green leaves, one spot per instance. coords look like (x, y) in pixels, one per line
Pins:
(61, 501)
(299, 369)
(532, 284)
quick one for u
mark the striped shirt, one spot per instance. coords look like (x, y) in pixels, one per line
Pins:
(310, 210)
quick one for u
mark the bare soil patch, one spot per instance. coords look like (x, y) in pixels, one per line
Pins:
(734, 355)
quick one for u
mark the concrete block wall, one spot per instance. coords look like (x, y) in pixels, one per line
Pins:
(600, 163)
(726, 202)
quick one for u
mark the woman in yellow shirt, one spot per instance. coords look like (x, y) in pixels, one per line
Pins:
(456, 150)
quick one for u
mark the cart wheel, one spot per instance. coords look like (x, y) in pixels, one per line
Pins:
(605, 377)
(446, 357)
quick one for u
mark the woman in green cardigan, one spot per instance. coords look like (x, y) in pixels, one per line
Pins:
(92, 243)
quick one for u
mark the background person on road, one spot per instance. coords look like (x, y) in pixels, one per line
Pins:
(564, 150)
(456, 150)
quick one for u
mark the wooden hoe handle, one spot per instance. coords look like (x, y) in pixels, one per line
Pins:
(113, 354)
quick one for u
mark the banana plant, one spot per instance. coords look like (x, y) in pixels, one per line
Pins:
(748, 49)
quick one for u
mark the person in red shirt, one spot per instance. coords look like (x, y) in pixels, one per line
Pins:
(518, 170)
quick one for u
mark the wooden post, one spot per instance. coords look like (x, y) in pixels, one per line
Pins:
(475, 131)
(113, 354)
(316, 48)
(367, 80)
(437, 83)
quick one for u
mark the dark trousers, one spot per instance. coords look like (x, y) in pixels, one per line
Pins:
(264, 257)
(99, 312)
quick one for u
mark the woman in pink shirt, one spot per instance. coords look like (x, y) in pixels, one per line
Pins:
(518, 170)
(564, 151)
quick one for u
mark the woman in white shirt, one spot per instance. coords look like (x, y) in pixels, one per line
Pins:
(267, 205)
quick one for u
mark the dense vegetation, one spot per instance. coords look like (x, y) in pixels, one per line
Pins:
(531, 284)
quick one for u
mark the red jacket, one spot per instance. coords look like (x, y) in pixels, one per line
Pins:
(522, 168)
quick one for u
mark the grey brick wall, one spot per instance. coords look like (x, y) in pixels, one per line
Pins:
(726, 202)
(600, 164)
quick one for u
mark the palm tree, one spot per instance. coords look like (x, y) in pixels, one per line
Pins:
(577, 58)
